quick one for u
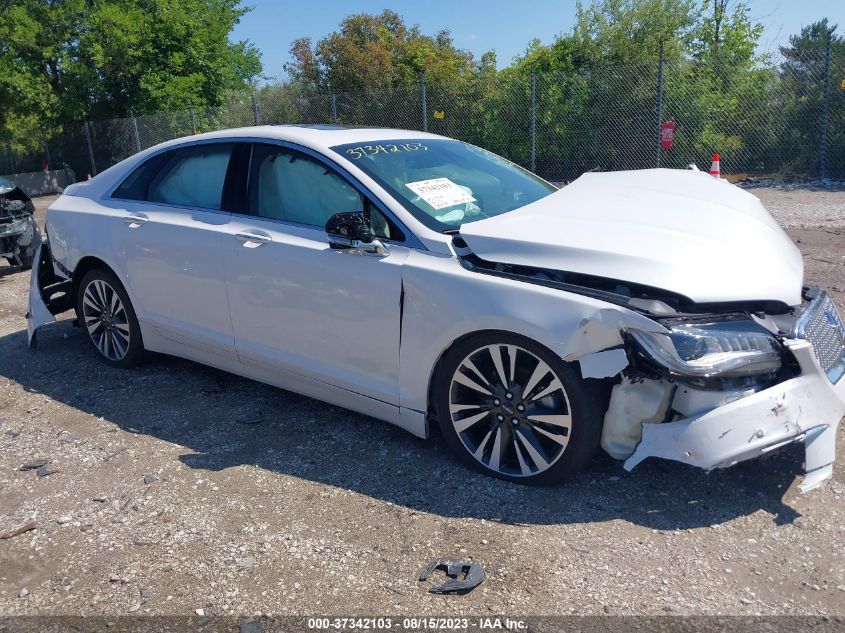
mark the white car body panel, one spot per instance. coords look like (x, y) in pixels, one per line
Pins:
(444, 302)
(299, 305)
(174, 264)
(366, 332)
(678, 230)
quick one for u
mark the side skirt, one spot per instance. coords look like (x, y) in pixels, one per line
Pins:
(412, 421)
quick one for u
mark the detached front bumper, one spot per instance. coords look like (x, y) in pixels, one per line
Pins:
(807, 408)
(49, 294)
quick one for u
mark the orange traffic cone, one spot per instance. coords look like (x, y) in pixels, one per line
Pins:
(714, 167)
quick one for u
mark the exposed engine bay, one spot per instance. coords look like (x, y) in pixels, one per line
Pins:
(19, 236)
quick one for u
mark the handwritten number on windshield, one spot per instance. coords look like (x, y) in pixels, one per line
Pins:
(387, 148)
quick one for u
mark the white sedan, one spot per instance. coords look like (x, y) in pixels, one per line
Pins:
(419, 279)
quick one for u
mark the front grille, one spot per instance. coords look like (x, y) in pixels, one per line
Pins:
(822, 326)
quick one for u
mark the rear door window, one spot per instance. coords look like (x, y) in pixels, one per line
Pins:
(193, 176)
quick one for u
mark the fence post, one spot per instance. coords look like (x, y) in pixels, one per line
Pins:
(825, 109)
(135, 131)
(90, 147)
(11, 157)
(334, 107)
(533, 119)
(423, 103)
(254, 109)
(659, 109)
(193, 119)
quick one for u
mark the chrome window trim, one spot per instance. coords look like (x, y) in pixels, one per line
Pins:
(410, 241)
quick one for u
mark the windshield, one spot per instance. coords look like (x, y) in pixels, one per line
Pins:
(445, 183)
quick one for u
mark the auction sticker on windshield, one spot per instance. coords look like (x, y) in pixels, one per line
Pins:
(440, 192)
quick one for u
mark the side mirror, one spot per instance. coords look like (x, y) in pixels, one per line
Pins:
(352, 231)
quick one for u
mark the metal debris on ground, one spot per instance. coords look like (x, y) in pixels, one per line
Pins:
(35, 464)
(473, 575)
(26, 527)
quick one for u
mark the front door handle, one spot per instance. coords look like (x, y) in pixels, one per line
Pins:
(134, 220)
(253, 239)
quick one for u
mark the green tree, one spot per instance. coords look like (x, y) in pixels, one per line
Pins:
(721, 95)
(372, 63)
(377, 52)
(803, 75)
(610, 32)
(60, 59)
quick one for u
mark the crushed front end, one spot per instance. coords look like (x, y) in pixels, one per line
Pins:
(19, 235)
(715, 390)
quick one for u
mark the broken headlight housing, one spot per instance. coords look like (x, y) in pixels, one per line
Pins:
(702, 350)
(16, 226)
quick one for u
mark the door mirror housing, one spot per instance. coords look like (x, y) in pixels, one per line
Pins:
(352, 231)
(345, 228)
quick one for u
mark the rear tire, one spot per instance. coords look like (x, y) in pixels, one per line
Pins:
(511, 408)
(104, 310)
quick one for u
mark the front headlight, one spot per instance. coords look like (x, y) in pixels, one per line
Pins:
(15, 227)
(727, 348)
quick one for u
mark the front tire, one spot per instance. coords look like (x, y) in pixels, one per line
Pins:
(104, 310)
(511, 408)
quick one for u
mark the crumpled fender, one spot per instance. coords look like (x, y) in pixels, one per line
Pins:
(597, 342)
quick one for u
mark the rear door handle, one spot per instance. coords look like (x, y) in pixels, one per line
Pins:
(134, 220)
(253, 239)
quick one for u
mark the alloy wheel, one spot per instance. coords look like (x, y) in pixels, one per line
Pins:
(510, 410)
(106, 319)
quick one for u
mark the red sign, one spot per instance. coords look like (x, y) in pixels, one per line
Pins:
(667, 134)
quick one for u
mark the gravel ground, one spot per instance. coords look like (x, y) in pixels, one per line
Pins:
(177, 487)
(802, 208)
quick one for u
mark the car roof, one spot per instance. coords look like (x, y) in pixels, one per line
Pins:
(319, 136)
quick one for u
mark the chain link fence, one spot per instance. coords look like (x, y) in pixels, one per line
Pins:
(783, 119)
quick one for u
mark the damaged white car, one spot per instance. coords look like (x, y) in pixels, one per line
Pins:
(415, 278)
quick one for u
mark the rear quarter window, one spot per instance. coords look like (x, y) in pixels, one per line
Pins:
(136, 185)
(193, 176)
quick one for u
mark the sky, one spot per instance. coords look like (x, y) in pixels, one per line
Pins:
(506, 26)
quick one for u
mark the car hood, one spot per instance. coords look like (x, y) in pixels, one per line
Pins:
(677, 230)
